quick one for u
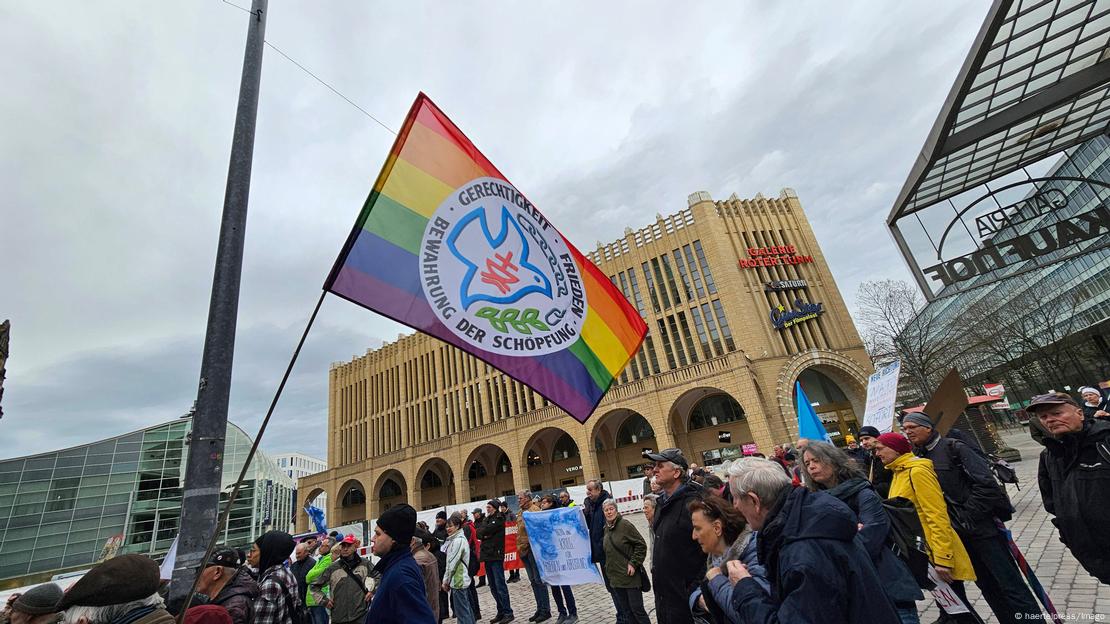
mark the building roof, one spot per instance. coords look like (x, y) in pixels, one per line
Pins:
(1036, 82)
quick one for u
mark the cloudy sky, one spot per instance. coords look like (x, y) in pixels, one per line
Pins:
(116, 122)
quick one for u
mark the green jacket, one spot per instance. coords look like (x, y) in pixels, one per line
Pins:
(321, 564)
(623, 545)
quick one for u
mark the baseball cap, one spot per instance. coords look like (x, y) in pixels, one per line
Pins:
(349, 539)
(672, 455)
(1052, 398)
(224, 557)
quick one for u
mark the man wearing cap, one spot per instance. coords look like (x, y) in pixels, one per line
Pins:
(349, 583)
(121, 589)
(223, 583)
(977, 504)
(400, 596)
(492, 554)
(677, 562)
(277, 587)
(877, 473)
(38, 605)
(1074, 476)
(524, 549)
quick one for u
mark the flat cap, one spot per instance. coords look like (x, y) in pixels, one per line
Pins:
(118, 580)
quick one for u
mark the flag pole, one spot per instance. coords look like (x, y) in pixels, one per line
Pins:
(214, 539)
(204, 468)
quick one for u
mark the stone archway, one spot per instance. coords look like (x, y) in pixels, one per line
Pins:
(623, 435)
(316, 497)
(435, 483)
(489, 473)
(390, 489)
(710, 426)
(553, 459)
(350, 503)
(846, 373)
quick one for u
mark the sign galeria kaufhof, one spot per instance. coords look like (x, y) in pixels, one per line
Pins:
(781, 316)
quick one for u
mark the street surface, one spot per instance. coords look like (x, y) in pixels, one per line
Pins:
(1074, 592)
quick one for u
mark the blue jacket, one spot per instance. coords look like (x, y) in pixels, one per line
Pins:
(401, 597)
(818, 573)
(898, 581)
(595, 521)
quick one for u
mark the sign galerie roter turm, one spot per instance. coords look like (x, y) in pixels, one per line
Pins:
(1007, 236)
(447, 245)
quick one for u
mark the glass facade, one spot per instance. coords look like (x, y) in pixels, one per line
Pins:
(1085, 275)
(58, 510)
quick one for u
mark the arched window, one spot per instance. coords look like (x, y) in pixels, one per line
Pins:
(354, 496)
(715, 411)
(431, 480)
(565, 448)
(390, 489)
(634, 430)
(534, 458)
(477, 470)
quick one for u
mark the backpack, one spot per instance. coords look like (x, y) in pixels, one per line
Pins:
(907, 538)
(1001, 506)
(298, 612)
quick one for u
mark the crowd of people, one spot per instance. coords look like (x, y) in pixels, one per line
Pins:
(814, 533)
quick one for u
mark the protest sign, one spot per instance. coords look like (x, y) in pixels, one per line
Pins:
(946, 598)
(882, 391)
(948, 402)
(750, 449)
(561, 545)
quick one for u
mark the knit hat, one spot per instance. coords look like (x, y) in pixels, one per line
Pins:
(441, 515)
(39, 600)
(399, 522)
(207, 614)
(896, 442)
(121, 579)
(1089, 389)
(493, 502)
(868, 431)
(274, 547)
(918, 418)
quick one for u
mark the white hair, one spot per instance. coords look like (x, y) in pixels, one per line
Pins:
(651, 501)
(762, 477)
(109, 613)
(609, 503)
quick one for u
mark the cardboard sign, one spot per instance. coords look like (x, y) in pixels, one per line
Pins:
(946, 598)
(948, 402)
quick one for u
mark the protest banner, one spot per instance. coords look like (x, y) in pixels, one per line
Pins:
(561, 545)
(512, 558)
(882, 392)
(750, 449)
(944, 595)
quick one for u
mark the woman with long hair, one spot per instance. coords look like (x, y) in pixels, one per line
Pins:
(831, 470)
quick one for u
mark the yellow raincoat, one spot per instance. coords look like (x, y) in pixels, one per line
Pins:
(915, 479)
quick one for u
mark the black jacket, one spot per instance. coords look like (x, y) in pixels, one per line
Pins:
(1074, 476)
(492, 534)
(818, 573)
(861, 498)
(441, 555)
(677, 562)
(595, 522)
(238, 597)
(969, 487)
(300, 571)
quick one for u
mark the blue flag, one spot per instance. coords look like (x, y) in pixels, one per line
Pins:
(317, 516)
(809, 425)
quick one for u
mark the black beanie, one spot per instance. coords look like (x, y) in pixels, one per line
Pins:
(274, 547)
(441, 515)
(868, 430)
(399, 522)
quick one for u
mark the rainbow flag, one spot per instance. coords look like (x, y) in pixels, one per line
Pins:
(448, 246)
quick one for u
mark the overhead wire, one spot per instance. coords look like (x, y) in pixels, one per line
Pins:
(317, 78)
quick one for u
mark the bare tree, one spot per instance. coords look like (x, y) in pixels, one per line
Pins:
(896, 324)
